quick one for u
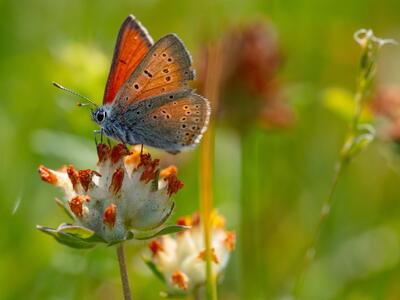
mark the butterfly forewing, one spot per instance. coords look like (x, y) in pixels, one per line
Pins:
(132, 45)
(165, 68)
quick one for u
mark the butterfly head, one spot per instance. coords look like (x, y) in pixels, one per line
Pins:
(99, 115)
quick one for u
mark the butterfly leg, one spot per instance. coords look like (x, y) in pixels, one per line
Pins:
(95, 133)
(141, 150)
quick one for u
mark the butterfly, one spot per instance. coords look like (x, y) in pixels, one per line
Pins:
(147, 99)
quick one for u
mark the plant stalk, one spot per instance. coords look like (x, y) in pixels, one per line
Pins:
(324, 213)
(124, 273)
(211, 91)
(207, 207)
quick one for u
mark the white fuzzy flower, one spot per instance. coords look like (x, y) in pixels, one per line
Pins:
(181, 259)
(127, 194)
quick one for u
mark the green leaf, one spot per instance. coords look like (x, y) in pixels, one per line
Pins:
(66, 238)
(74, 242)
(154, 268)
(81, 232)
(169, 229)
(357, 143)
(47, 230)
(75, 230)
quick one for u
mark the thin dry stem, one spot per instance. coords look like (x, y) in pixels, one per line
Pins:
(211, 91)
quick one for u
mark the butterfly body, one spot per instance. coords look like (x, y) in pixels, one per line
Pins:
(147, 100)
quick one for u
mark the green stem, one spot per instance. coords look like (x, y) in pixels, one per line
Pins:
(123, 272)
(324, 213)
(365, 76)
(327, 204)
(250, 241)
(358, 99)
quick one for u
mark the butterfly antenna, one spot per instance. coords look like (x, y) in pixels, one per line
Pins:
(89, 102)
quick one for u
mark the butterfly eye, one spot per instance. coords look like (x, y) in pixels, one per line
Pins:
(100, 116)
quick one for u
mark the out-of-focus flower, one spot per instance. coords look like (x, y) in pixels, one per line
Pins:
(126, 197)
(386, 104)
(180, 260)
(249, 89)
(258, 56)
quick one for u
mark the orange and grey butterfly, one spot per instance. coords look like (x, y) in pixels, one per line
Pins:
(153, 106)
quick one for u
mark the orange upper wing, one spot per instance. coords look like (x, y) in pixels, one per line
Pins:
(167, 67)
(132, 45)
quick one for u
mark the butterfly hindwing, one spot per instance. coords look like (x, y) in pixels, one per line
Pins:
(177, 124)
(132, 45)
(165, 68)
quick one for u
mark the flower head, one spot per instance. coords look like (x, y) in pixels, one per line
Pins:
(181, 259)
(248, 85)
(125, 196)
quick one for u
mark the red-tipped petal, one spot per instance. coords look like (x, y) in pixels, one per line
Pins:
(116, 181)
(180, 280)
(76, 205)
(168, 171)
(73, 177)
(85, 178)
(192, 220)
(183, 221)
(150, 167)
(110, 215)
(155, 247)
(214, 257)
(47, 175)
(174, 184)
(117, 152)
(103, 152)
(230, 240)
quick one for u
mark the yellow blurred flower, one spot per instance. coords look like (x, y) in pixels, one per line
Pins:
(180, 259)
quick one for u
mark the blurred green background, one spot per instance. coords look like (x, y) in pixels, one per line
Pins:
(274, 180)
